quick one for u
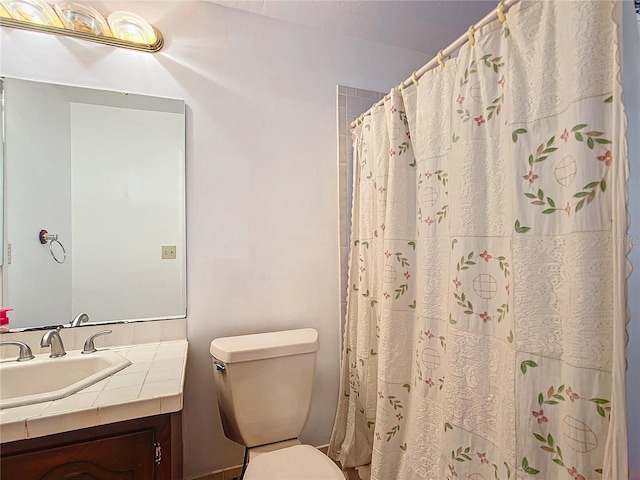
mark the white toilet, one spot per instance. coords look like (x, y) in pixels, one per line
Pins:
(264, 383)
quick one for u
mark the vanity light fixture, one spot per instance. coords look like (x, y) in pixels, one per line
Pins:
(3, 12)
(82, 19)
(33, 11)
(120, 29)
(129, 26)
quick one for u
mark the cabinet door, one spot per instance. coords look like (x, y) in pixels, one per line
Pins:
(121, 457)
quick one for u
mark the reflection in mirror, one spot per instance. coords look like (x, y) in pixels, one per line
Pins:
(1, 172)
(102, 173)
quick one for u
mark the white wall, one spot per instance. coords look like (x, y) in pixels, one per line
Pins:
(262, 200)
(44, 205)
(127, 187)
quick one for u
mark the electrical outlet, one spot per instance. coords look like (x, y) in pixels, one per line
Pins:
(168, 252)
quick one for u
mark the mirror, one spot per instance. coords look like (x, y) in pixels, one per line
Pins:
(94, 205)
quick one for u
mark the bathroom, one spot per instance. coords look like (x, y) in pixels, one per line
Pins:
(262, 189)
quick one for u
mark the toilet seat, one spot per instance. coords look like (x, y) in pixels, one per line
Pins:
(300, 462)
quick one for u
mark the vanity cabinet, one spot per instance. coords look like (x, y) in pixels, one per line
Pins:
(147, 448)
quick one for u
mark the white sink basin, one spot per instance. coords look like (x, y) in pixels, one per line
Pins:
(44, 379)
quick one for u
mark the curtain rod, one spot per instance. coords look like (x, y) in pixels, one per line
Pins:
(439, 59)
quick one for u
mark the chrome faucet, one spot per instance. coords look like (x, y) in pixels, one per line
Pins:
(78, 319)
(25, 351)
(52, 339)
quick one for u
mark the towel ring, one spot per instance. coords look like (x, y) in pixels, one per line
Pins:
(51, 238)
(53, 254)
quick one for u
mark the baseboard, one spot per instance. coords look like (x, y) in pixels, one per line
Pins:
(231, 473)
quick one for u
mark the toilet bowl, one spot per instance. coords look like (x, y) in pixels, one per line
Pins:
(293, 463)
(264, 386)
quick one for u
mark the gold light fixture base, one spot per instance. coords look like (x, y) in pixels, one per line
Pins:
(114, 42)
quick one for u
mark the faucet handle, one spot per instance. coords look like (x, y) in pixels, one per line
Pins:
(89, 347)
(25, 351)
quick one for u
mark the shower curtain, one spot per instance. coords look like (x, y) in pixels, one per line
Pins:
(486, 311)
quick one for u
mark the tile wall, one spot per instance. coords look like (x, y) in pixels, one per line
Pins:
(132, 333)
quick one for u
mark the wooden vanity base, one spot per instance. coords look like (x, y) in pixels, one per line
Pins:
(148, 448)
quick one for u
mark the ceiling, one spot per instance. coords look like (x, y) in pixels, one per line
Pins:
(420, 25)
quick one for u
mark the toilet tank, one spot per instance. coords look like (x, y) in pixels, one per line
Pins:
(264, 383)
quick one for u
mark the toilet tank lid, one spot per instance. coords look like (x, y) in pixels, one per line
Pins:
(244, 348)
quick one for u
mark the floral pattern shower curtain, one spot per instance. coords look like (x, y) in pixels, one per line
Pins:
(486, 309)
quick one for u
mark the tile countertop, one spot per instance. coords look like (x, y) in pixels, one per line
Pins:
(151, 385)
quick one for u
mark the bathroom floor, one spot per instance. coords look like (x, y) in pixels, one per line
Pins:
(351, 474)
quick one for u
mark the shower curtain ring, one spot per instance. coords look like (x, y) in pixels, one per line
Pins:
(500, 10)
(471, 34)
(414, 77)
(402, 86)
(441, 59)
